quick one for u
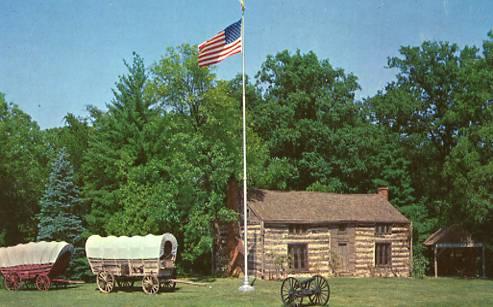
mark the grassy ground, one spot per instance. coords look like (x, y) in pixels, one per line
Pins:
(224, 292)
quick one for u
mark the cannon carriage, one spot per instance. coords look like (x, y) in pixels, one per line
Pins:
(316, 289)
(121, 261)
(37, 263)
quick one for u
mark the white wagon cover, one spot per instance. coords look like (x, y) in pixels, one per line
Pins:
(136, 247)
(33, 253)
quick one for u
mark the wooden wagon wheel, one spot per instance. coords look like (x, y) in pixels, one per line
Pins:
(105, 281)
(12, 282)
(43, 282)
(321, 290)
(289, 288)
(168, 285)
(150, 284)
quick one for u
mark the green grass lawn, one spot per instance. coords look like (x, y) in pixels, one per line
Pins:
(224, 292)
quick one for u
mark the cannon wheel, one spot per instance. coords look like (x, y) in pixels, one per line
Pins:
(43, 282)
(168, 285)
(105, 281)
(150, 284)
(320, 287)
(288, 290)
(12, 282)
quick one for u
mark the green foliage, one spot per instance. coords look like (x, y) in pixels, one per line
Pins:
(57, 218)
(73, 137)
(179, 84)
(318, 136)
(122, 141)
(162, 155)
(440, 108)
(22, 173)
(420, 261)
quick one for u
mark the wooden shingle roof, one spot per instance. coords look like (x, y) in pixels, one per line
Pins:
(316, 207)
(450, 235)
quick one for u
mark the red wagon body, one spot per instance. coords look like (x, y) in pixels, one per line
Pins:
(37, 263)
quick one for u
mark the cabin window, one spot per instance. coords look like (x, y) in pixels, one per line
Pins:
(298, 257)
(383, 229)
(383, 254)
(297, 229)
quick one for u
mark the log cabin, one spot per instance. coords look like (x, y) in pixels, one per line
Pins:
(305, 233)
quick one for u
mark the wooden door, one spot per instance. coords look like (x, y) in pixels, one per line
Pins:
(342, 253)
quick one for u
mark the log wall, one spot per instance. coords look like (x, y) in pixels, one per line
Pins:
(365, 240)
(268, 250)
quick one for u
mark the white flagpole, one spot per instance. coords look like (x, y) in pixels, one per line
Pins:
(246, 285)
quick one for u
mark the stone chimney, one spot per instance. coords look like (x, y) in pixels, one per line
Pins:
(384, 192)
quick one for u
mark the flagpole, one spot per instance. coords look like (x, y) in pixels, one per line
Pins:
(246, 285)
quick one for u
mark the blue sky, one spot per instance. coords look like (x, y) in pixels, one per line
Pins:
(59, 56)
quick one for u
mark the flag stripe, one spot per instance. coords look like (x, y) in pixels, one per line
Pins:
(218, 59)
(222, 45)
(222, 50)
(206, 44)
(214, 61)
(206, 62)
(212, 46)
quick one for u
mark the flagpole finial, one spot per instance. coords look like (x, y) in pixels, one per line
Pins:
(242, 2)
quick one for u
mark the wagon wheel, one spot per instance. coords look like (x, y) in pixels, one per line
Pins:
(43, 282)
(321, 290)
(150, 284)
(12, 282)
(168, 285)
(289, 288)
(105, 281)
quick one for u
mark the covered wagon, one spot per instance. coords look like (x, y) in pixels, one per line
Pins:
(120, 261)
(36, 262)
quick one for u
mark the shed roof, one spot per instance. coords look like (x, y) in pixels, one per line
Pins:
(317, 207)
(450, 235)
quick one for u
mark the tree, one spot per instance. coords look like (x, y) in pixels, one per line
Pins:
(22, 173)
(179, 84)
(318, 136)
(60, 201)
(73, 136)
(120, 141)
(439, 107)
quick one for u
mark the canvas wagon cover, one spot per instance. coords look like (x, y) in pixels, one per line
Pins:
(33, 253)
(136, 247)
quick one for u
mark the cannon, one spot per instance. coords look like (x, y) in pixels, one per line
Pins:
(316, 288)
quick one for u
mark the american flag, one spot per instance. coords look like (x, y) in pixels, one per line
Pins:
(221, 45)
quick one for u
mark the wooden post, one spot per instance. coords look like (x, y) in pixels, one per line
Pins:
(262, 237)
(483, 261)
(436, 262)
(411, 262)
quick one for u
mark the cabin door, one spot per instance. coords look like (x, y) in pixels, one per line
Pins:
(342, 253)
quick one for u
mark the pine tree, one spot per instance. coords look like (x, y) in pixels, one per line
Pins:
(57, 219)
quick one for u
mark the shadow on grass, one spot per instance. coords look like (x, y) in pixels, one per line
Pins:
(137, 289)
(28, 288)
(207, 279)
